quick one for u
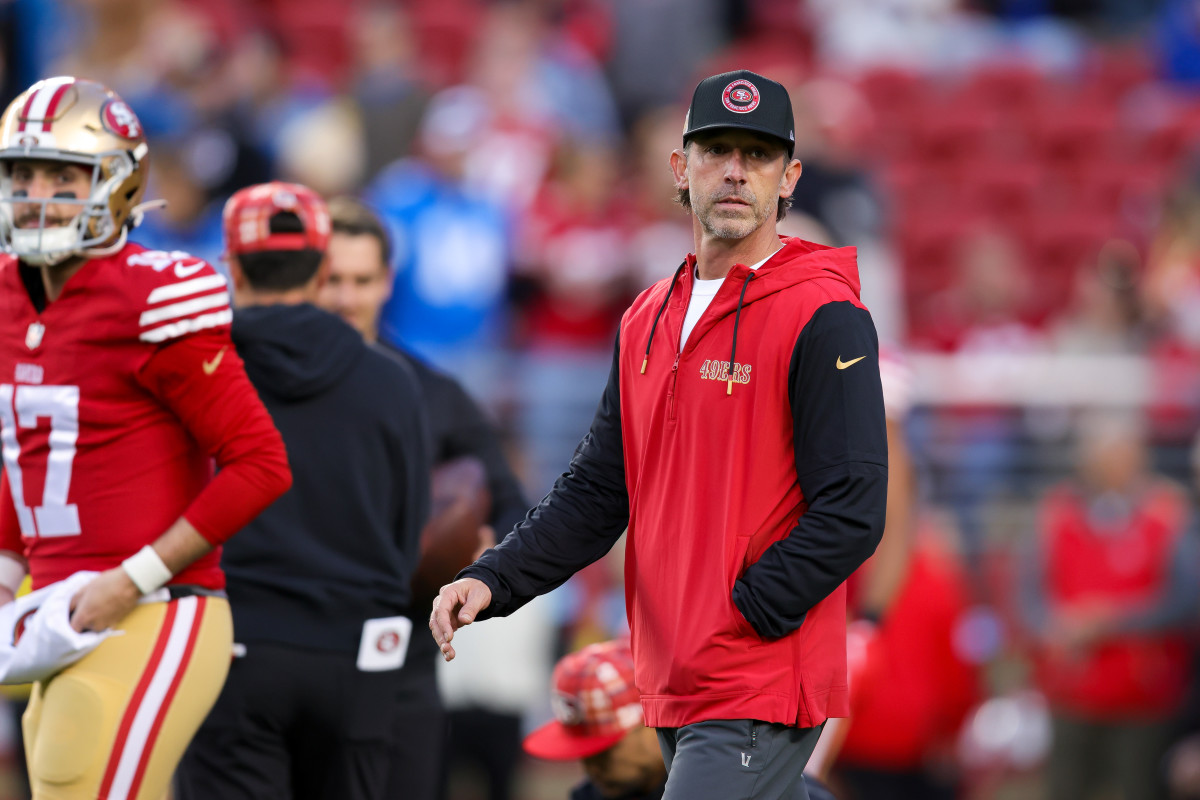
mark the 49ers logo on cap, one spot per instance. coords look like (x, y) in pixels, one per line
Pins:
(120, 119)
(567, 709)
(284, 199)
(740, 97)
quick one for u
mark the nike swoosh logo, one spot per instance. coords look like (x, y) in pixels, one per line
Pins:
(843, 364)
(186, 272)
(210, 367)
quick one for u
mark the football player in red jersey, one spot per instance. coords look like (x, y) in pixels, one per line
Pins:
(119, 390)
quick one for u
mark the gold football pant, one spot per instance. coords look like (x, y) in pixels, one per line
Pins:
(114, 725)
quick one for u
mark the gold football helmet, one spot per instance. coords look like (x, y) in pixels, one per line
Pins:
(81, 122)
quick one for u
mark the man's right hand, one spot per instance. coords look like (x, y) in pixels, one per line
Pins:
(456, 605)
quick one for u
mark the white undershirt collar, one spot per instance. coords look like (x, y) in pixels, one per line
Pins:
(702, 294)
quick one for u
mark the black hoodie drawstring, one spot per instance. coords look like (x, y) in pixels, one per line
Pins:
(661, 309)
(736, 318)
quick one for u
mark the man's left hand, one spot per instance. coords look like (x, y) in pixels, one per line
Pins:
(104, 602)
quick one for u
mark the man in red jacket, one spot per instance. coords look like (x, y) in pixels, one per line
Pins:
(1109, 597)
(741, 440)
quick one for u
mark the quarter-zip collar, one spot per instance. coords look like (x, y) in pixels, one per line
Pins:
(795, 262)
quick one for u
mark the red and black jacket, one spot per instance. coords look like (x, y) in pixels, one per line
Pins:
(750, 467)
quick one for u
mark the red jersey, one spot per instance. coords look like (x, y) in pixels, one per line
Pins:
(110, 426)
(912, 688)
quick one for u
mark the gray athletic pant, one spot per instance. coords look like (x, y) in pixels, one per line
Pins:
(736, 759)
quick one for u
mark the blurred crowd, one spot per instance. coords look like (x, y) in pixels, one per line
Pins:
(1022, 180)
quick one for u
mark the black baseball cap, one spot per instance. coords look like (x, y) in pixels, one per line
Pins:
(742, 99)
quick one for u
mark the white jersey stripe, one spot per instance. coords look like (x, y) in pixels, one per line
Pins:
(173, 291)
(143, 721)
(41, 100)
(186, 308)
(186, 326)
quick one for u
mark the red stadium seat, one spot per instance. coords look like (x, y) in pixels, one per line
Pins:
(1164, 128)
(1002, 192)
(1114, 71)
(928, 248)
(1059, 246)
(898, 100)
(891, 89)
(315, 38)
(1112, 189)
(915, 190)
(446, 31)
(1071, 133)
(1007, 128)
(950, 135)
(1008, 89)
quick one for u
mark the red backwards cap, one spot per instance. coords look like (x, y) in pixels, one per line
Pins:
(247, 218)
(595, 704)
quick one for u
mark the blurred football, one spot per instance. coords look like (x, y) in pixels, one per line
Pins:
(449, 542)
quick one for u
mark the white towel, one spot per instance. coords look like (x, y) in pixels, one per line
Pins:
(47, 643)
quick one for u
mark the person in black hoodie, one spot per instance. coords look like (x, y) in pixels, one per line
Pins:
(319, 581)
(358, 286)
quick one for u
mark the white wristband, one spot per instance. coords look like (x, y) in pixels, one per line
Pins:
(12, 573)
(146, 570)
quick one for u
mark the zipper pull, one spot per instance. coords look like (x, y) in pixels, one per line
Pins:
(675, 366)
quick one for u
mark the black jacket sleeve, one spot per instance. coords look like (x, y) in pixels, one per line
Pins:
(413, 468)
(468, 432)
(577, 523)
(841, 460)
(458, 427)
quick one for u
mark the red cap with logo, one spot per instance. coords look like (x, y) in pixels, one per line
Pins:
(595, 704)
(248, 215)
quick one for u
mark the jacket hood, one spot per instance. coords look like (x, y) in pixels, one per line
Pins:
(796, 262)
(295, 351)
